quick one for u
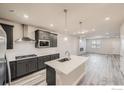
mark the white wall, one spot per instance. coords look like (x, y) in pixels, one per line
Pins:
(29, 47)
(108, 46)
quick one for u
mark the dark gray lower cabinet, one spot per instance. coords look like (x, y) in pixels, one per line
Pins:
(50, 76)
(41, 64)
(26, 66)
(23, 67)
(42, 60)
(13, 69)
(55, 56)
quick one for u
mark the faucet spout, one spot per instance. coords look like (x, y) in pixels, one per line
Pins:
(68, 54)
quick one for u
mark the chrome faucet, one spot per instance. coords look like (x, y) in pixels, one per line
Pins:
(68, 54)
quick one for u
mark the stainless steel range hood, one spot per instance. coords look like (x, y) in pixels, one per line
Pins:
(25, 34)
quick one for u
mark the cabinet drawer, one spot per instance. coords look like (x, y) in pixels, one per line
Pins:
(46, 58)
(54, 56)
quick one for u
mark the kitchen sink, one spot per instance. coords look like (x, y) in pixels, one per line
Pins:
(63, 59)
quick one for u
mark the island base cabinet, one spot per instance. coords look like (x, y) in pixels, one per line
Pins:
(50, 76)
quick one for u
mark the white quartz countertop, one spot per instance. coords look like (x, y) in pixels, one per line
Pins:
(67, 66)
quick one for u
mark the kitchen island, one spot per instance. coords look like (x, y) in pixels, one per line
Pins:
(66, 73)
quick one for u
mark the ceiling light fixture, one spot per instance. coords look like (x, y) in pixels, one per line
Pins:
(65, 11)
(65, 38)
(80, 40)
(107, 18)
(51, 25)
(26, 16)
(81, 32)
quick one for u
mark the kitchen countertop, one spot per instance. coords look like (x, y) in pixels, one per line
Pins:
(12, 57)
(67, 66)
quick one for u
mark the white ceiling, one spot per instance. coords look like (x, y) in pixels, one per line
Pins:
(92, 16)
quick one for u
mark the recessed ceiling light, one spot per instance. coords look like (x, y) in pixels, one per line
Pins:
(65, 38)
(82, 32)
(26, 16)
(51, 25)
(107, 18)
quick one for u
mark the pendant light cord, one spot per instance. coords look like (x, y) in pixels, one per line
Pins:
(23, 29)
(65, 11)
(80, 25)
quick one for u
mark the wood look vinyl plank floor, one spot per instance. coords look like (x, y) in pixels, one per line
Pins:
(103, 70)
(100, 70)
(37, 78)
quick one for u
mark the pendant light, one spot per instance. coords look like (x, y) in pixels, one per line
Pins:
(65, 11)
(80, 23)
(82, 31)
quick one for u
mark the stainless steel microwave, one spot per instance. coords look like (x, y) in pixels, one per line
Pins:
(43, 43)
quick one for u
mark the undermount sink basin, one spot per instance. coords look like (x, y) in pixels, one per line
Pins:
(63, 59)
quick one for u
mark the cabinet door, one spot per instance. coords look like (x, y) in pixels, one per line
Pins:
(36, 35)
(9, 32)
(22, 68)
(44, 35)
(13, 69)
(41, 64)
(42, 60)
(32, 65)
(53, 40)
(50, 75)
(57, 56)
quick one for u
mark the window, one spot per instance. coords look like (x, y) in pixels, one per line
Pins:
(96, 44)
